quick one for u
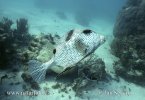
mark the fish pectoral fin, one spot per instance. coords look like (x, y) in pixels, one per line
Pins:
(59, 66)
(63, 72)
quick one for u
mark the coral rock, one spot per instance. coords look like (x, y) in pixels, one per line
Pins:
(129, 42)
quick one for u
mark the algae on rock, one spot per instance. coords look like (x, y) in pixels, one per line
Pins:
(11, 41)
(129, 42)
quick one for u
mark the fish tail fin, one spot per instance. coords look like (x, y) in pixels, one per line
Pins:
(38, 70)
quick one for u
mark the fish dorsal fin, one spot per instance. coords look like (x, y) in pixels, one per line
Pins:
(65, 38)
(69, 35)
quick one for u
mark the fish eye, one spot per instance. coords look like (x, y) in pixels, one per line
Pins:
(54, 51)
(87, 31)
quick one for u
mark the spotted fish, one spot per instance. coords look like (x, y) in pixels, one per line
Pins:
(75, 46)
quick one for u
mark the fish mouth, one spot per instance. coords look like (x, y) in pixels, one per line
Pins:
(103, 39)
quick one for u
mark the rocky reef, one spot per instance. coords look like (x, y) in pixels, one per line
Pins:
(39, 48)
(12, 40)
(90, 72)
(129, 42)
(18, 45)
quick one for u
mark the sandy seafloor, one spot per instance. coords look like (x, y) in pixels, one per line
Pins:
(48, 22)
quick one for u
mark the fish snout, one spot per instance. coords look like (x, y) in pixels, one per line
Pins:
(102, 39)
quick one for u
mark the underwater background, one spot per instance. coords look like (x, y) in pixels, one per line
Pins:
(31, 29)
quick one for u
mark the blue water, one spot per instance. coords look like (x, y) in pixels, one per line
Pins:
(83, 11)
(93, 8)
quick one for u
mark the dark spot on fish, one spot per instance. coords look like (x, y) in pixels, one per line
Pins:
(87, 31)
(54, 51)
(80, 46)
(69, 35)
